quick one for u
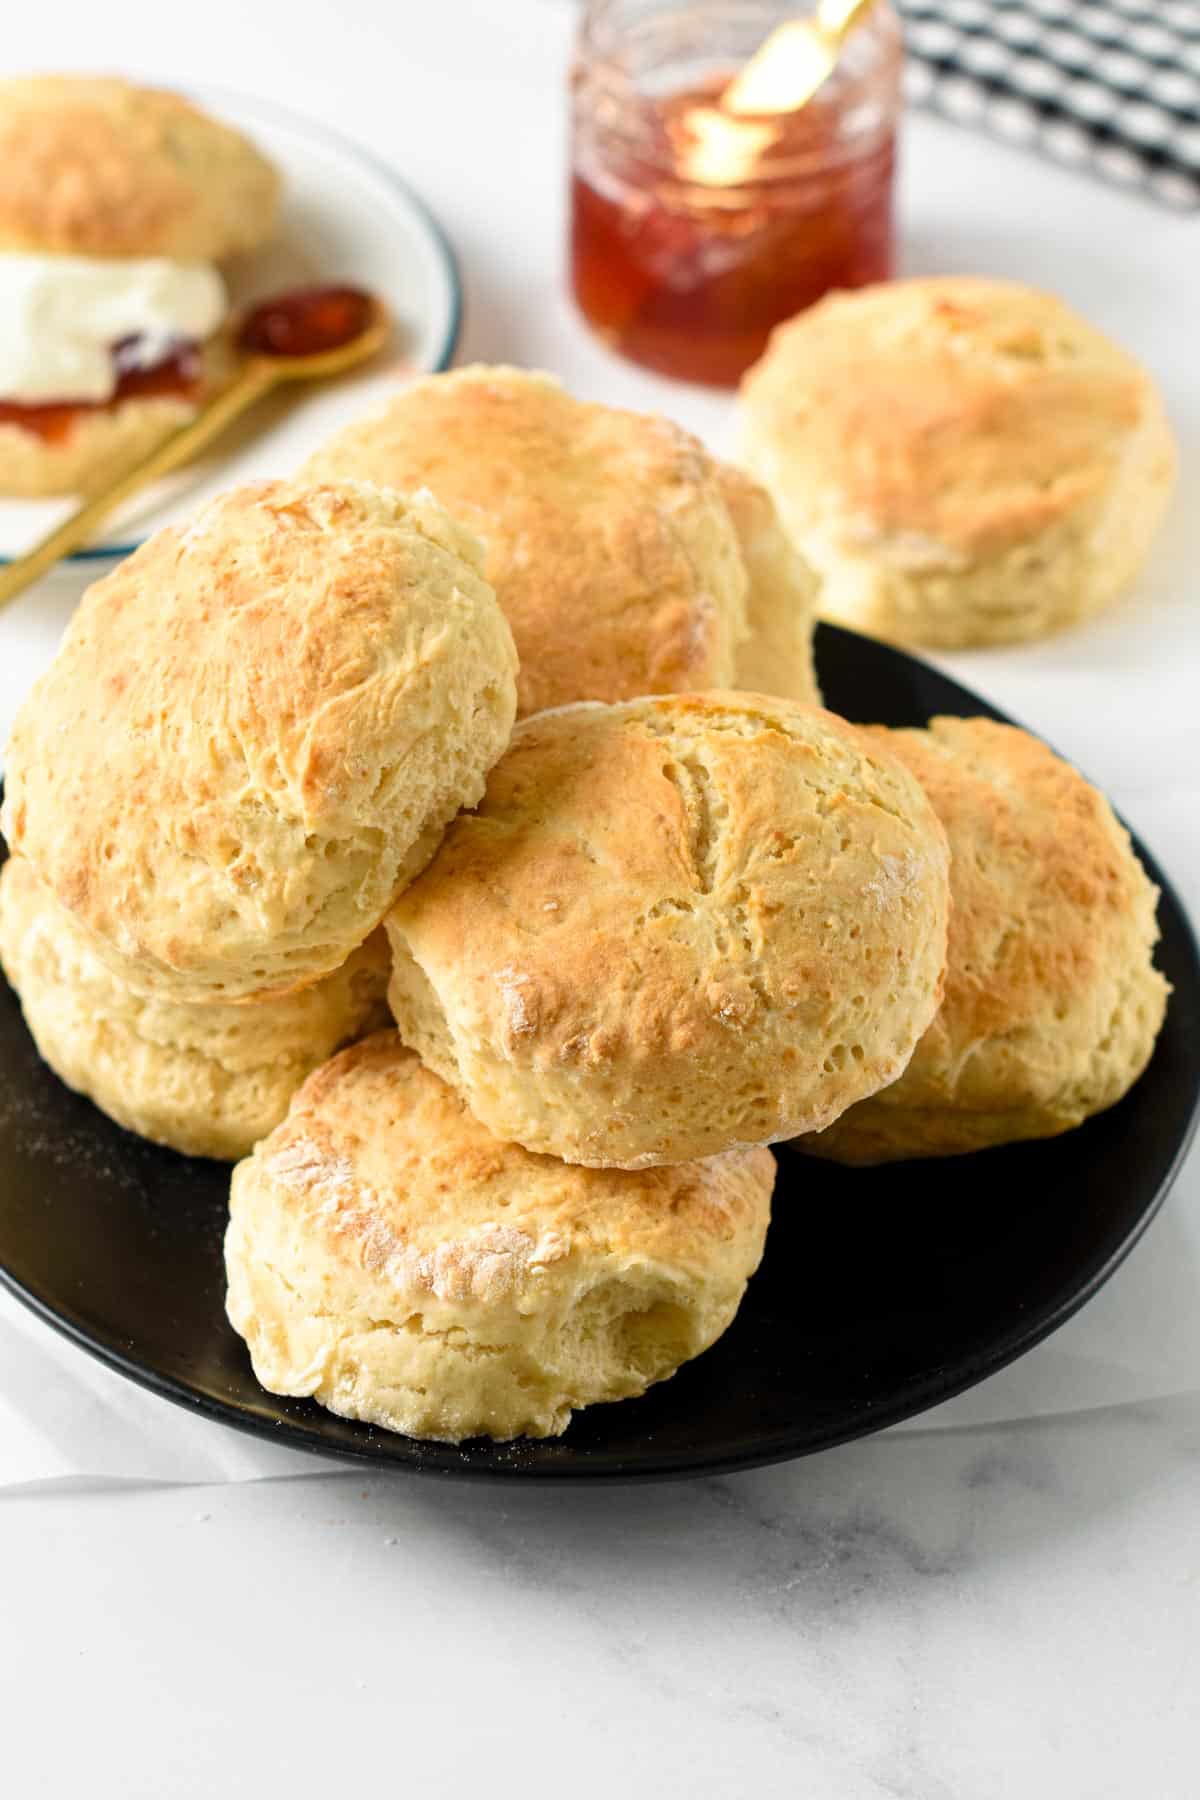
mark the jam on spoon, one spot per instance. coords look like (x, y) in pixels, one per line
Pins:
(306, 322)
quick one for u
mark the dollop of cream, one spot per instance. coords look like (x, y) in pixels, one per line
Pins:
(60, 317)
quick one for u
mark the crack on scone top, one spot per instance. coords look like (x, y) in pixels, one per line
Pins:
(704, 809)
(701, 720)
(730, 721)
(705, 812)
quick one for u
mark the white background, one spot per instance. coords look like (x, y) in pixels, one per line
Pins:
(971, 1610)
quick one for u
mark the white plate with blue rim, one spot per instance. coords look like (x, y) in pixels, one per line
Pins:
(347, 217)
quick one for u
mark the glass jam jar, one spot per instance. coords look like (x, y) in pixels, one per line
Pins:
(693, 231)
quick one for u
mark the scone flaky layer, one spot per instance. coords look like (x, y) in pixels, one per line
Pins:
(391, 1258)
(208, 1080)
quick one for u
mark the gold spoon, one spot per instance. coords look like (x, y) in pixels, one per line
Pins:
(305, 336)
(797, 59)
(727, 140)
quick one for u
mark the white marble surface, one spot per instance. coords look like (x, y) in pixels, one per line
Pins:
(964, 1610)
(1001, 1614)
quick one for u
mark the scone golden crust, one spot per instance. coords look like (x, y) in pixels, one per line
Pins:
(391, 1258)
(1052, 1001)
(781, 599)
(91, 166)
(962, 461)
(608, 544)
(206, 1080)
(100, 438)
(255, 731)
(675, 926)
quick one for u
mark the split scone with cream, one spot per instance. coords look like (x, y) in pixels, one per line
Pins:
(675, 926)
(962, 461)
(118, 204)
(255, 732)
(389, 1257)
(207, 1080)
(626, 561)
(1053, 1003)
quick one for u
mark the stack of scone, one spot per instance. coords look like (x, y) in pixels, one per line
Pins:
(628, 942)
(643, 958)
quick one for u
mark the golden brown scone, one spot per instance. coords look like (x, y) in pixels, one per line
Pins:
(391, 1258)
(608, 543)
(676, 926)
(207, 1080)
(781, 600)
(100, 439)
(1052, 1002)
(255, 731)
(93, 166)
(962, 461)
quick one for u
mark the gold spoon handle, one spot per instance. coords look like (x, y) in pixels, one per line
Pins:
(249, 385)
(836, 19)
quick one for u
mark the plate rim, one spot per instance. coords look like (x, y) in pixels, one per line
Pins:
(384, 1451)
(438, 238)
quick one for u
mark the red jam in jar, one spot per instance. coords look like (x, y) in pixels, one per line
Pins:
(695, 232)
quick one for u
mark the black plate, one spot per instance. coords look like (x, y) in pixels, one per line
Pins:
(881, 1293)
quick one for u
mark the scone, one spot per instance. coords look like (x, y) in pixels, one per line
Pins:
(117, 204)
(1052, 1001)
(781, 597)
(676, 926)
(609, 542)
(962, 461)
(255, 731)
(391, 1258)
(207, 1080)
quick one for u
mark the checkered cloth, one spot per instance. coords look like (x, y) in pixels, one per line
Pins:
(1112, 86)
